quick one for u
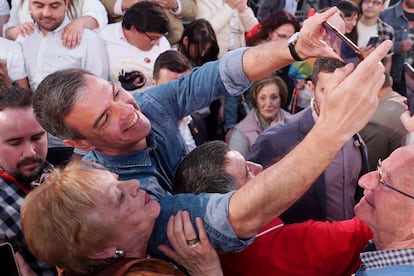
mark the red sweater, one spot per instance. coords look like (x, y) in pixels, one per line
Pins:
(309, 248)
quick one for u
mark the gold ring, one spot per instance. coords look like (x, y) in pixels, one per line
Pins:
(192, 243)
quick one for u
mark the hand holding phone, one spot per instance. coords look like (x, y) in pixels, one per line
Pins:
(8, 265)
(373, 41)
(342, 45)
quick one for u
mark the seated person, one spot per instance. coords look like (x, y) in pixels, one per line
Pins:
(84, 220)
(326, 248)
(84, 14)
(267, 97)
(175, 10)
(334, 194)
(12, 69)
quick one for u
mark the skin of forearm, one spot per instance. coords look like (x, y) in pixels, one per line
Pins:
(258, 63)
(12, 33)
(274, 190)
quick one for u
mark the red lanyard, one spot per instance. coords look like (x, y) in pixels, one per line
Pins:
(11, 178)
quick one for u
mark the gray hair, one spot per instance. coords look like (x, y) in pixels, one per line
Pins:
(54, 99)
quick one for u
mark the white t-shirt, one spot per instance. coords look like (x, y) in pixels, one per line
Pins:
(129, 66)
(365, 32)
(4, 7)
(12, 54)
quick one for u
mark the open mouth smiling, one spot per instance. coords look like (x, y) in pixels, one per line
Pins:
(133, 122)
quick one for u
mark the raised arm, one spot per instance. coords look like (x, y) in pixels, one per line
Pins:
(262, 60)
(350, 102)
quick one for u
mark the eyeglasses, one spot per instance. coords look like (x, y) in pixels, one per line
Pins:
(373, 2)
(282, 36)
(152, 38)
(385, 184)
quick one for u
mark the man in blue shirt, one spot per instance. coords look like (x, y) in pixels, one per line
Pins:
(138, 137)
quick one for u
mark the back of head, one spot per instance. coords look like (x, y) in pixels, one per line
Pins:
(146, 16)
(54, 99)
(199, 43)
(202, 170)
(14, 97)
(171, 60)
(324, 65)
(272, 22)
(259, 84)
(57, 221)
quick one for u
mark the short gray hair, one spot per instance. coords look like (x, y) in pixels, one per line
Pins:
(54, 99)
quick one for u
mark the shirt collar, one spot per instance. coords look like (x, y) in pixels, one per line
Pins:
(383, 258)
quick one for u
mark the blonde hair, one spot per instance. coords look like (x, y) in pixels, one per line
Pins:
(59, 221)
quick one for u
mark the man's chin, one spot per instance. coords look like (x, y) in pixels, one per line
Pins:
(28, 177)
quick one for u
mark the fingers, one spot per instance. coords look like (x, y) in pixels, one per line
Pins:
(71, 39)
(202, 232)
(407, 120)
(26, 29)
(190, 234)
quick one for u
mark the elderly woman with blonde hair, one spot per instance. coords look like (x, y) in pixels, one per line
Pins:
(86, 221)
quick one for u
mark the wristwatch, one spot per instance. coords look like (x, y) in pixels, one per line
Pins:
(292, 42)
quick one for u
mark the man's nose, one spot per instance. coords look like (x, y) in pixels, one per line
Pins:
(29, 150)
(369, 181)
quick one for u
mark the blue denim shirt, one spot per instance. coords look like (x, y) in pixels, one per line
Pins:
(395, 17)
(155, 167)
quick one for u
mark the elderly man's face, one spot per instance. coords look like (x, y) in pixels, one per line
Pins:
(385, 210)
(23, 143)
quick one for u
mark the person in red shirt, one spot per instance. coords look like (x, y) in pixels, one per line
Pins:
(308, 248)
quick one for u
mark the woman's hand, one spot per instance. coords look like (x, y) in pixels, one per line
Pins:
(194, 253)
(72, 33)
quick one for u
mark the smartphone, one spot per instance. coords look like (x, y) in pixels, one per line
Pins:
(342, 45)
(409, 85)
(373, 41)
(8, 265)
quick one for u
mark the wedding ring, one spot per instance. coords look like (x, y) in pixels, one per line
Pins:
(193, 243)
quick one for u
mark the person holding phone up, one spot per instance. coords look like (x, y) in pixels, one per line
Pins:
(372, 30)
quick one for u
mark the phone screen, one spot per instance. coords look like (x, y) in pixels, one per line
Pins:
(373, 40)
(8, 265)
(342, 45)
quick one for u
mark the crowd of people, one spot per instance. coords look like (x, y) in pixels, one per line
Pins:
(165, 137)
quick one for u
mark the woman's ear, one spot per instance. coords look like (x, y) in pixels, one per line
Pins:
(185, 41)
(106, 253)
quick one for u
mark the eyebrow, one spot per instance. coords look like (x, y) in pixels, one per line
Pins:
(12, 139)
(95, 124)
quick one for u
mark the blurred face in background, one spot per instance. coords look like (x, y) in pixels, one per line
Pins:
(268, 102)
(350, 22)
(284, 31)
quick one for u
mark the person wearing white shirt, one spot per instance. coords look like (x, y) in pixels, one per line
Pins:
(134, 44)
(12, 70)
(84, 14)
(44, 53)
(4, 14)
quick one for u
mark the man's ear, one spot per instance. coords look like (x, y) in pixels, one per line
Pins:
(79, 144)
(311, 87)
(106, 253)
